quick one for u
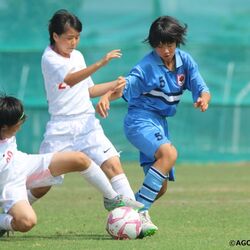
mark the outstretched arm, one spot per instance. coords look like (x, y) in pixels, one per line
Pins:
(103, 105)
(73, 78)
(103, 88)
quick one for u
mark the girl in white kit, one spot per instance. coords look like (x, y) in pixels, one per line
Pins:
(20, 171)
(69, 87)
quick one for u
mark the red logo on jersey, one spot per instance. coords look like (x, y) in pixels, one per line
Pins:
(9, 155)
(62, 85)
(180, 79)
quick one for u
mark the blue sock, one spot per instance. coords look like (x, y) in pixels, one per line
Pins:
(150, 188)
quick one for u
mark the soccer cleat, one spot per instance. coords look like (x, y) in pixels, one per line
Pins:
(148, 228)
(121, 201)
(3, 232)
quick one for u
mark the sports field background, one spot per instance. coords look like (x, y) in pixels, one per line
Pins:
(208, 205)
(218, 39)
(206, 209)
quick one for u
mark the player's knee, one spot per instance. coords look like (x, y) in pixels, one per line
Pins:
(171, 155)
(167, 153)
(25, 223)
(82, 161)
(112, 167)
(174, 154)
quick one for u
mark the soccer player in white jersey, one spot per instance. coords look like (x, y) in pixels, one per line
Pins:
(153, 90)
(69, 87)
(20, 171)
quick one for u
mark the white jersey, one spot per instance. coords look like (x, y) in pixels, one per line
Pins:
(73, 125)
(63, 99)
(8, 148)
(19, 171)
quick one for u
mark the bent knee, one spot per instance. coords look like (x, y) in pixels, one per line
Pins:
(174, 153)
(25, 223)
(167, 152)
(112, 167)
(82, 161)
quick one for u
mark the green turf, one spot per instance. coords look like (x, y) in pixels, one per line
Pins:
(204, 209)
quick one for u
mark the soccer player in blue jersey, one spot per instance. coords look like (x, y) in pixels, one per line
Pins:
(153, 90)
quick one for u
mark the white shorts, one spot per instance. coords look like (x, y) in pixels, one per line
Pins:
(78, 133)
(21, 173)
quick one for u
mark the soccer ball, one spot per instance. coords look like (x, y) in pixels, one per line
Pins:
(123, 223)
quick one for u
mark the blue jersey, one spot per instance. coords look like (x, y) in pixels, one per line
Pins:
(151, 86)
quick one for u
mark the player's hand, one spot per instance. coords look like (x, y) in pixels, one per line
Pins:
(202, 104)
(103, 106)
(116, 53)
(119, 84)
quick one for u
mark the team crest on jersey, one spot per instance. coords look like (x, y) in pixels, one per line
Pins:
(62, 85)
(8, 156)
(162, 82)
(180, 79)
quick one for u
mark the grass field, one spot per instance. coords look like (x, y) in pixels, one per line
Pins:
(206, 208)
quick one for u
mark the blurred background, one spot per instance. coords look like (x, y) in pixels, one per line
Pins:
(218, 39)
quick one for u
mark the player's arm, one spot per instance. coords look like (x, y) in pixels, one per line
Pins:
(200, 91)
(73, 78)
(203, 101)
(103, 105)
(103, 88)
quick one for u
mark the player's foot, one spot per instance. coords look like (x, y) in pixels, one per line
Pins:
(148, 228)
(121, 201)
(3, 232)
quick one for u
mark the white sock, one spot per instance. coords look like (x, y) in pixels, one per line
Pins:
(31, 197)
(5, 222)
(95, 176)
(121, 185)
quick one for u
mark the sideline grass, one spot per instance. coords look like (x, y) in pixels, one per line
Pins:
(206, 208)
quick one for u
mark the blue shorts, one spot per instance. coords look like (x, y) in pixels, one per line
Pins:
(147, 131)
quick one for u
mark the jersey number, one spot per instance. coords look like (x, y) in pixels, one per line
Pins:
(158, 136)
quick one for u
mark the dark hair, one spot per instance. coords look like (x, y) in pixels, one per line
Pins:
(166, 29)
(61, 21)
(11, 111)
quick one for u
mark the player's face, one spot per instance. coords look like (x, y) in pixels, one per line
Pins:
(9, 131)
(66, 42)
(166, 51)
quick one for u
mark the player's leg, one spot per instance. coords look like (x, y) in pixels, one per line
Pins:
(150, 138)
(53, 142)
(37, 193)
(21, 217)
(46, 168)
(50, 166)
(24, 217)
(147, 162)
(148, 135)
(17, 214)
(93, 174)
(163, 190)
(99, 148)
(113, 169)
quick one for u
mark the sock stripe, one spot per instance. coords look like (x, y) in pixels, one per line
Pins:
(146, 198)
(158, 173)
(150, 188)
